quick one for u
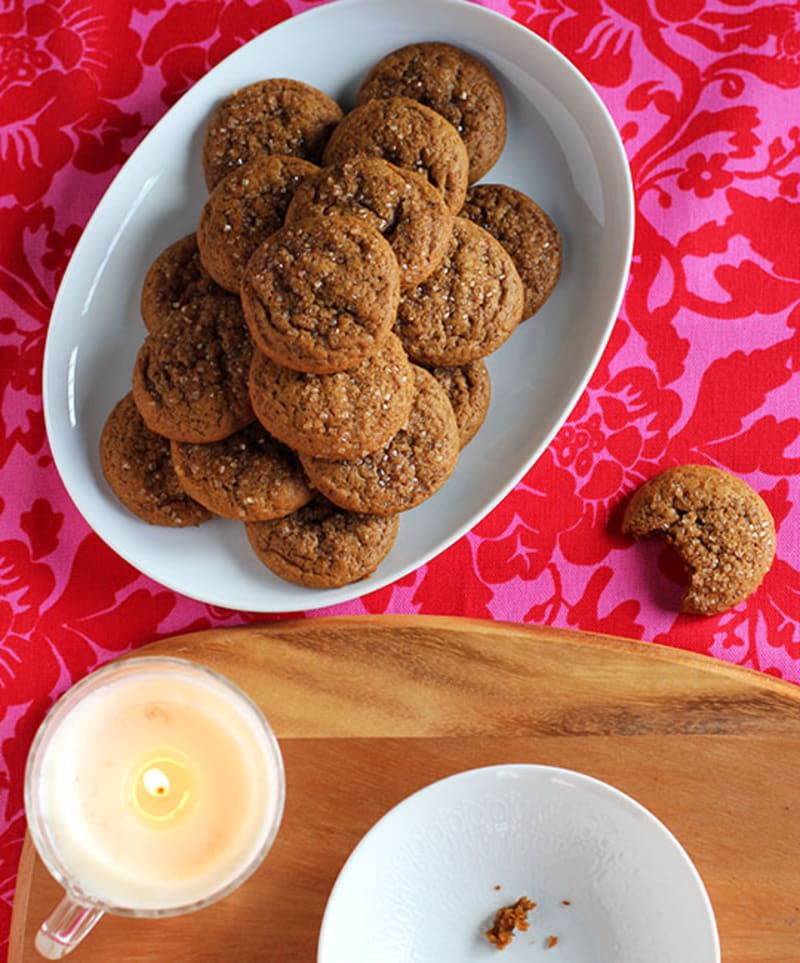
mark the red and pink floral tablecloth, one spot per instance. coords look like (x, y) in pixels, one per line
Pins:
(702, 364)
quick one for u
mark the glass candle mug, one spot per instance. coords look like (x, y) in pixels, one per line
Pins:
(154, 787)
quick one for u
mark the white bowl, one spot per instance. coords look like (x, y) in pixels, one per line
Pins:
(562, 150)
(421, 886)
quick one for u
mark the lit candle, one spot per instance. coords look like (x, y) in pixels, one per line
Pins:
(160, 790)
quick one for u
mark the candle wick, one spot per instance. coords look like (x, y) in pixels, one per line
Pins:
(155, 781)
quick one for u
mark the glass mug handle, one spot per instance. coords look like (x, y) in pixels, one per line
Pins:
(65, 927)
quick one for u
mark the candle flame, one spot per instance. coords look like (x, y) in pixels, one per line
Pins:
(162, 788)
(155, 781)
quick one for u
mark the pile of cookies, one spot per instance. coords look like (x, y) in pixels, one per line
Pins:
(314, 360)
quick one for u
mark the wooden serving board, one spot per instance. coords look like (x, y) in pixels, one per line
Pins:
(368, 710)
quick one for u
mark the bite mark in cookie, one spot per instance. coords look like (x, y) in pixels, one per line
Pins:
(720, 527)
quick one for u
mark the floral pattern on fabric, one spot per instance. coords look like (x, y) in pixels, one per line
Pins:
(701, 366)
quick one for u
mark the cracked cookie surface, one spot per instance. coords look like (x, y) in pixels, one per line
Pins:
(456, 85)
(720, 527)
(526, 231)
(468, 307)
(248, 476)
(321, 294)
(190, 377)
(279, 116)
(137, 465)
(340, 415)
(323, 546)
(407, 470)
(243, 210)
(407, 210)
(469, 390)
(409, 135)
(176, 283)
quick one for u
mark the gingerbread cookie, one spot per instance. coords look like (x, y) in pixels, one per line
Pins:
(190, 378)
(321, 294)
(322, 546)
(243, 210)
(525, 231)
(340, 415)
(720, 527)
(409, 212)
(247, 476)
(410, 468)
(137, 466)
(469, 391)
(468, 307)
(407, 134)
(456, 85)
(279, 116)
(175, 282)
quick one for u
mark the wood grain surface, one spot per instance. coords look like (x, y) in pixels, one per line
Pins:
(370, 709)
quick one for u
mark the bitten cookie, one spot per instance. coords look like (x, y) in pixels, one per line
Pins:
(137, 466)
(456, 85)
(322, 546)
(190, 378)
(720, 527)
(279, 116)
(407, 134)
(243, 210)
(468, 307)
(247, 476)
(407, 470)
(320, 295)
(340, 415)
(409, 212)
(175, 282)
(525, 231)
(469, 391)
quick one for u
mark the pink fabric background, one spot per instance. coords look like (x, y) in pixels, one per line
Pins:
(702, 364)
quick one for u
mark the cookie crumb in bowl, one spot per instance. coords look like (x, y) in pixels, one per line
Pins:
(508, 919)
